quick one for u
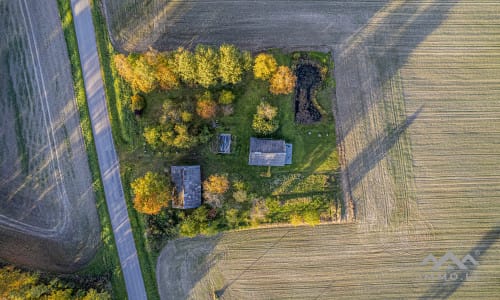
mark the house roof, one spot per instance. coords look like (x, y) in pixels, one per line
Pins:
(187, 181)
(266, 152)
(224, 143)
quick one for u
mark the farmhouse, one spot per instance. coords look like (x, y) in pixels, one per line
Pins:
(267, 152)
(187, 182)
(224, 143)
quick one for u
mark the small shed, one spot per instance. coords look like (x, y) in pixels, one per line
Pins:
(224, 143)
(187, 182)
(267, 152)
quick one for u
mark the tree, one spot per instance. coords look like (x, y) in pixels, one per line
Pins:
(264, 121)
(230, 67)
(195, 223)
(207, 64)
(246, 60)
(137, 103)
(123, 67)
(185, 65)
(152, 136)
(151, 193)
(283, 81)
(216, 184)
(264, 67)
(143, 79)
(206, 107)
(226, 97)
(167, 80)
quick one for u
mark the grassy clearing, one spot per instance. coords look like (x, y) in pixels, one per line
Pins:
(106, 262)
(127, 137)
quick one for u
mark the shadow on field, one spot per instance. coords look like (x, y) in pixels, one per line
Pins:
(384, 45)
(183, 264)
(446, 288)
(377, 150)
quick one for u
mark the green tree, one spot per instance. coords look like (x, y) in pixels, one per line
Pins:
(151, 193)
(152, 136)
(226, 97)
(230, 65)
(207, 64)
(246, 61)
(282, 82)
(195, 223)
(185, 65)
(264, 67)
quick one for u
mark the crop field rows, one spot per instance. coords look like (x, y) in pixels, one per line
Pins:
(43, 151)
(417, 106)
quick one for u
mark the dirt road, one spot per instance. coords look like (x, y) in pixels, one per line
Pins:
(48, 218)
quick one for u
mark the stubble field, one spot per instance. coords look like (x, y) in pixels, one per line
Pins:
(417, 111)
(48, 218)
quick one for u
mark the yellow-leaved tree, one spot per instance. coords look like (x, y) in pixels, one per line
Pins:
(282, 82)
(152, 192)
(264, 66)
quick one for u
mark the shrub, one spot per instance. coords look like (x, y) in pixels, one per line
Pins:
(282, 82)
(206, 107)
(311, 217)
(240, 196)
(216, 184)
(265, 65)
(226, 97)
(137, 103)
(264, 121)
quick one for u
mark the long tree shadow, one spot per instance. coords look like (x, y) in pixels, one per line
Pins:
(445, 289)
(381, 48)
(376, 151)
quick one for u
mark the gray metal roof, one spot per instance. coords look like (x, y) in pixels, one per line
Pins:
(224, 143)
(187, 181)
(266, 152)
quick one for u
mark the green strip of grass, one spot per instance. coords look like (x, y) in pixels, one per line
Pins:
(106, 261)
(126, 135)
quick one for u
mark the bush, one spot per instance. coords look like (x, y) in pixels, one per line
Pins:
(196, 223)
(137, 103)
(264, 121)
(311, 217)
(226, 97)
(216, 184)
(206, 107)
(264, 67)
(282, 82)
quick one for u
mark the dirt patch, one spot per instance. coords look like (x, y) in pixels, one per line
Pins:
(308, 80)
(48, 218)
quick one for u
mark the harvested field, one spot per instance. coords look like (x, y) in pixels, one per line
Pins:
(48, 218)
(417, 106)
